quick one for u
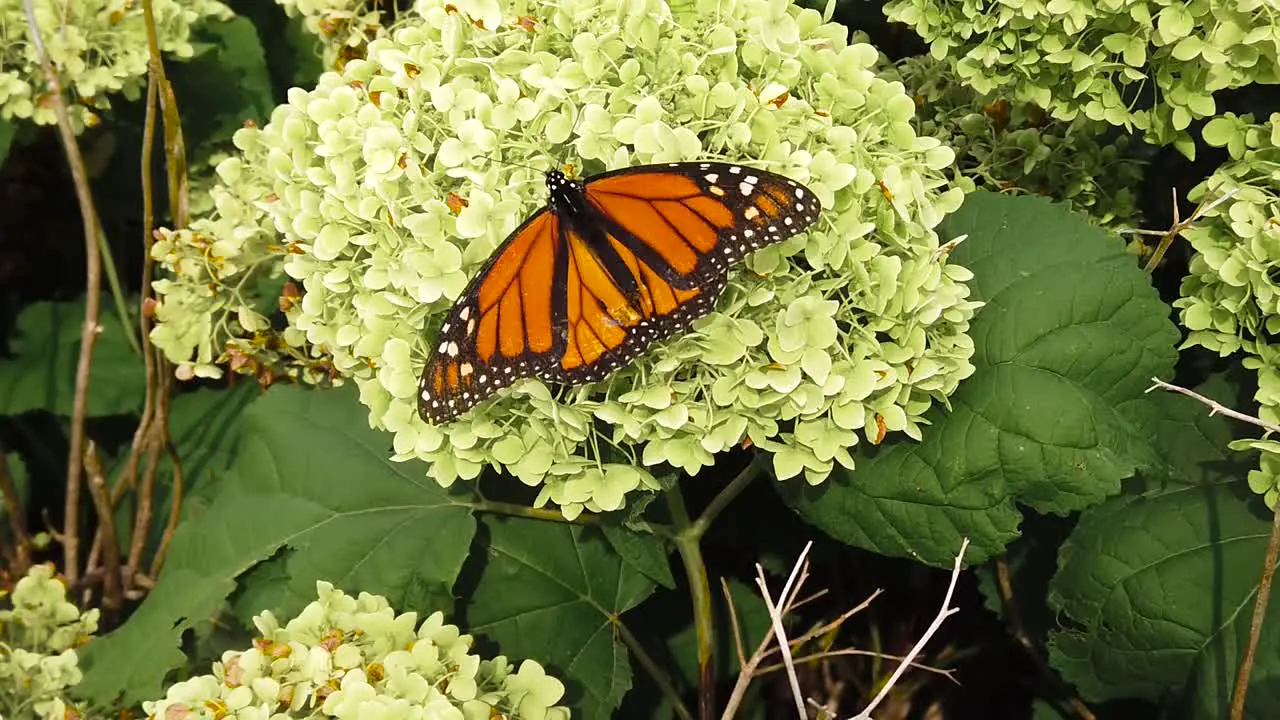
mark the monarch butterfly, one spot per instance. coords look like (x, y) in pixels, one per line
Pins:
(610, 265)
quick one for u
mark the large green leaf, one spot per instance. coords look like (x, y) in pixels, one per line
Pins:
(223, 86)
(551, 592)
(1070, 336)
(311, 482)
(1157, 590)
(41, 375)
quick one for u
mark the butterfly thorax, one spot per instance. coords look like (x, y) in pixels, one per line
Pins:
(568, 199)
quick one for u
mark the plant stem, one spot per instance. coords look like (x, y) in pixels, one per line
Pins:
(687, 544)
(1259, 613)
(92, 301)
(17, 519)
(728, 494)
(655, 671)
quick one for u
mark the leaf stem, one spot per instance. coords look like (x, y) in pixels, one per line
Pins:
(687, 539)
(1259, 613)
(727, 495)
(655, 671)
(524, 511)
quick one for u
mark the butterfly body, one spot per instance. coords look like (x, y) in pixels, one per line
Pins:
(610, 266)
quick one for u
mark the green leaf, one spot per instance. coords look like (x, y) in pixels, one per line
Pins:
(223, 87)
(1156, 590)
(311, 482)
(41, 375)
(644, 552)
(1071, 335)
(551, 592)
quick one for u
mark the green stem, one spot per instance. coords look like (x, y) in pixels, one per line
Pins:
(727, 495)
(117, 291)
(686, 539)
(655, 671)
(505, 508)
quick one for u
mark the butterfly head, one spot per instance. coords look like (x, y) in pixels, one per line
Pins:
(565, 194)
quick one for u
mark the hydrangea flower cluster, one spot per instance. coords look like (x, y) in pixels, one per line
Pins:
(348, 658)
(380, 191)
(1097, 58)
(98, 46)
(1016, 147)
(38, 637)
(1231, 297)
(341, 24)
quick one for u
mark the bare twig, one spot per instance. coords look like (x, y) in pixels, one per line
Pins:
(1177, 228)
(93, 299)
(733, 621)
(945, 612)
(1259, 614)
(1215, 408)
(112, 596)
(17, 519)
(750, 669)
(948, 674)
(779, 629)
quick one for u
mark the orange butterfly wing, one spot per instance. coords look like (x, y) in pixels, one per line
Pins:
(611, 266)
(504, 326)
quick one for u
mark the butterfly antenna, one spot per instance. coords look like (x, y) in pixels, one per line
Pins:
(500, 161)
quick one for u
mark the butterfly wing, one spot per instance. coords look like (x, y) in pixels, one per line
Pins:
(650, 252)
(606, 327)
(691, 221)
(507, 325)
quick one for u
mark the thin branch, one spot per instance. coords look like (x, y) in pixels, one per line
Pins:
(113, 595)
(93, 299)
(779, 630)
(655, 671)
(1215, 407)
(733, 621)
(948, 674)
(1005, 585)
(17, 519)
(175, 511)
(1259, 614)
(517, 510)
(945, 612)
(728, 494)
(1167, 237)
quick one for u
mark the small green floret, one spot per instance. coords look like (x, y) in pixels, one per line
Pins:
(38, 636)
(351, 658)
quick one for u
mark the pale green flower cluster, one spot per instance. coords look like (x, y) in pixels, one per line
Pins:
(385, 187)
(355, 658)
(98, 46)
(1106, 58)
(338, 23)
(1016, 148)
(1231, 297)
(38, 636)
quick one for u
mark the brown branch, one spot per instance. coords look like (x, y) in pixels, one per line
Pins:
(175, 511)
(92, 301)
(1259, 614)
(21, 559)
(1005, 583)
(112, 596)
(1177, 228)
(1215, 408)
